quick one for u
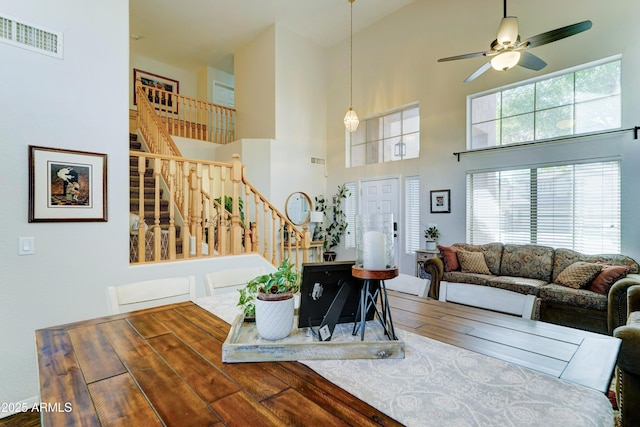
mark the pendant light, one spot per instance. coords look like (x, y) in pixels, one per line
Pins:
(351, 118)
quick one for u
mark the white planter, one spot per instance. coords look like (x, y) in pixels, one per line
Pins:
(274, 319)
(431, 245)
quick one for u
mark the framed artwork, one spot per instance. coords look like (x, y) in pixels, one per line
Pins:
(66, 185)
(440, 201)
(161, 100)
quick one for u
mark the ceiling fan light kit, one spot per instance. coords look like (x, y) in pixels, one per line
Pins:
(505, 60)
(507, 51)
(508, 31)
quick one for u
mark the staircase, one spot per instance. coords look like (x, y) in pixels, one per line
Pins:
(149, 204)
(191, 214)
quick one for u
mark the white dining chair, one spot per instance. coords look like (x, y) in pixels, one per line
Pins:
(231, 279)
(151, 293)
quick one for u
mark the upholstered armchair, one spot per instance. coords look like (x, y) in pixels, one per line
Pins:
(617, 310)
(432, 269)
(628, 369)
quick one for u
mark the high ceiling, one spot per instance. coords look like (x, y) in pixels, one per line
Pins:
(196, 32)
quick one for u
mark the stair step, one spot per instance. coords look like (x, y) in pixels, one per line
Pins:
(133, 162)
(149, 205)
(149, 193)
(149, 181)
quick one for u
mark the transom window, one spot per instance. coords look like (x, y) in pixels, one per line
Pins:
(578, 102)
(386, 138)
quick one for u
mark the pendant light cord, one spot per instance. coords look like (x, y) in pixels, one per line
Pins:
(351, 57)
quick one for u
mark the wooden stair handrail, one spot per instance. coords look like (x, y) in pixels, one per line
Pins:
(190, 117)
(184, 178)
(302, 238)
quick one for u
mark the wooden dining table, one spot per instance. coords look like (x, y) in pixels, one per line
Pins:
(163, 366)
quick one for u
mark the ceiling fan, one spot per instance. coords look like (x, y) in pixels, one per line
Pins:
(507, 50)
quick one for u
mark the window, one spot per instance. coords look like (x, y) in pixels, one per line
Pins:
(577, 102)
(411, 214)
(574, 206)
(351, 210)
(386, 138)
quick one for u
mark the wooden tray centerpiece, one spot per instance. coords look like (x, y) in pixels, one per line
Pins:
(243, 344)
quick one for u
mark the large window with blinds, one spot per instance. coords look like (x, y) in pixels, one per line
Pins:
(573, 206)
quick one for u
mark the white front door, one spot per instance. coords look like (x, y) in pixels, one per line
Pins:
(383, 196)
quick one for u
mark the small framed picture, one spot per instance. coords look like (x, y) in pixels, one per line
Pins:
(160, 90)
(66, 185)
(440, 201)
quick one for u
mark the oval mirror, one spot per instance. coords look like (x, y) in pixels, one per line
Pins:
(298, 208)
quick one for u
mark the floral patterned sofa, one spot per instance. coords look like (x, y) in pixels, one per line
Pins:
(565, 287)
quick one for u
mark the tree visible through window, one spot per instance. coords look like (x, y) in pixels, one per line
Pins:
(583, 101)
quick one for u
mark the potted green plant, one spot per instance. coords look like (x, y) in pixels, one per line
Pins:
(269, 298)
(335, 221)
(431, 234)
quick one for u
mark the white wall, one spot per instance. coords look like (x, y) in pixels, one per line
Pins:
(254, 67)
(395, 63)
(300, 116)
(280, 96)
(49, 102)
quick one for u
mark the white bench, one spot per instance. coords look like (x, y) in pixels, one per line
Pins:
(489, 298)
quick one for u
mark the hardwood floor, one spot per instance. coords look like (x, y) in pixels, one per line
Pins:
(410, 313)
(24, 419)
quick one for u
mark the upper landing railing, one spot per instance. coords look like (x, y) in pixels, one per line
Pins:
(190, 117)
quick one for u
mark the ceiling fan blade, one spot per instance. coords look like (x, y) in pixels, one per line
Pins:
(465, 56)
(478, 72)
(532, 62)
(557, 34)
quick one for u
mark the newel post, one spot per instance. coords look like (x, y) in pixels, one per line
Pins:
(236, 224)
(306, 243)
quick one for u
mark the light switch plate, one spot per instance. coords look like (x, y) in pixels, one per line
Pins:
(26, 246)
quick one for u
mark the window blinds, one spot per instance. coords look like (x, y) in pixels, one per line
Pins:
(412, 230)
(351, 210)
(573, 206)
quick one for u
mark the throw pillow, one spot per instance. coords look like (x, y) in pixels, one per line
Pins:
(473, 262)
(578, 275)
(449, 257)
(607, 277)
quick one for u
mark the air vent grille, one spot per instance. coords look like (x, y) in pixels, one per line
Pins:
(31, 37)
(317, 161)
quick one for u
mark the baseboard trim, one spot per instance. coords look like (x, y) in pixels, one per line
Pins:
(18, 407)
